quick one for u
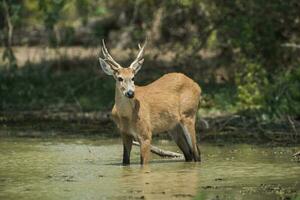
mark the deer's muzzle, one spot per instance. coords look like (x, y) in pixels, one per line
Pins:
(129, 94)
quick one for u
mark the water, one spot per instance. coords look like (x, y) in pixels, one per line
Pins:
(90, 169)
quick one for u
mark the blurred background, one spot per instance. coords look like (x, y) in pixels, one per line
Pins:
(244, 54)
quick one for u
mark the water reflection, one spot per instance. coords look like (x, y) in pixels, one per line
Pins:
(91, 169)
(161, 180)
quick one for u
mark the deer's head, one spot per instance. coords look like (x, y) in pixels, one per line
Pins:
(124, 76)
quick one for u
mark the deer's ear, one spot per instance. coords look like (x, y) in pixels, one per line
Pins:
(106, 67)
(136, 66)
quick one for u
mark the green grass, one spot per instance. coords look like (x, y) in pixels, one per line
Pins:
(43, 88)
(218, 99)
(82, 87)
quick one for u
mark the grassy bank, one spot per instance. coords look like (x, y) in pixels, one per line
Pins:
(45, 88)
(70, 95)
(71, 80)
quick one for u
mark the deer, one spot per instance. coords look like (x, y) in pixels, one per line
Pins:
(167, 105)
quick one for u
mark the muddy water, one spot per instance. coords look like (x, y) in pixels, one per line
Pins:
(90, 169)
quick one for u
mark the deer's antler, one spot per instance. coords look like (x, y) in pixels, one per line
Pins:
(108, 57)
(140, 55)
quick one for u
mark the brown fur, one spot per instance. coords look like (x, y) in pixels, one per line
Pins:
(170, 101)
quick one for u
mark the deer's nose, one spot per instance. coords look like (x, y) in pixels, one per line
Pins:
(130, 94)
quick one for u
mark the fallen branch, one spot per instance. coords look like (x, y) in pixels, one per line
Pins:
(160, 152)
(297, 154)
(292, 45)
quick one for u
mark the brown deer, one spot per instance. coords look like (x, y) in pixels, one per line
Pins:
(162, 106)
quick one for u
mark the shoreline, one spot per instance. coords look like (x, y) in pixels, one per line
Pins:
(230, 128)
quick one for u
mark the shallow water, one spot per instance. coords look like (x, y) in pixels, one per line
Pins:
(56, 168)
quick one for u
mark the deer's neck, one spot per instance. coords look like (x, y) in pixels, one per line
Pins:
(124, 105)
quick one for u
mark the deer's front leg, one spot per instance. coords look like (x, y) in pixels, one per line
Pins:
(127, 144)
(145, 148)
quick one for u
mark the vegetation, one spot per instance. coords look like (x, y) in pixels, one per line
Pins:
(245, 54)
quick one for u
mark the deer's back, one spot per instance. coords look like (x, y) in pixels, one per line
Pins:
(168, 98)
(171, 83)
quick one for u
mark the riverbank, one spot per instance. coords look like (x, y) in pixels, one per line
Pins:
(230, 128)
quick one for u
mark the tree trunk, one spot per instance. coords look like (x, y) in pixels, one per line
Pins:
(8, 53)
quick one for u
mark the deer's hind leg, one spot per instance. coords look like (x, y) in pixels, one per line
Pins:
(188, 127)
(182, 142)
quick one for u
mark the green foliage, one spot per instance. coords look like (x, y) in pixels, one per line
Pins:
(52, 14)
(258, 29)
(15, 9)
(270, 98)
(42, 88)
(252, 83)
(283, 97)
(248, 36)
(82, 7)
(52, 11)
(218, 98)
(212, 41)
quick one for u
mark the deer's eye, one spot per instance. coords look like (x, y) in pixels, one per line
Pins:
(120, 79)
(132, 79)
